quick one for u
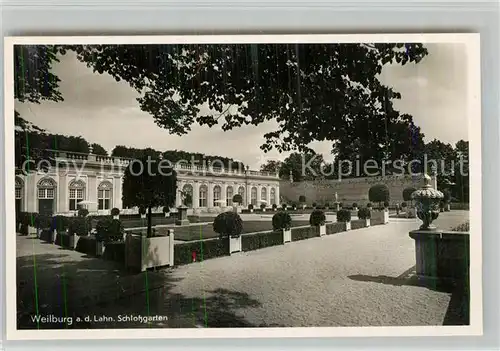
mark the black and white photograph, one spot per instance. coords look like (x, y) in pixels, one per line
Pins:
(233, 186)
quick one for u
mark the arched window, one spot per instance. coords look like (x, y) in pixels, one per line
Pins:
(217, 195)
(229, 196)
(76, 194)
(241, 191)
(253, 196)
(19, 194)
(203, 196)
(263, 195)
(104, 192)
(187, 193)
(46, 196)
(273, 196)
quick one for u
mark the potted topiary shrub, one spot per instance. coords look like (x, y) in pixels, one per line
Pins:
(83, 212)
(314, 205)
(238, 200)
(302, 200)
(282, 221)
(274, 207)
(166, 211)
(263, 207)
(294, 207)
(327, 205)
(365, 213)
(77, 227)
(318, 219)
(386, 206)
(229, 225)
(115, 212)
(354, 206)
(42, 223)
(344, 216)
(284, 206)
(102, 236)
(59, 227)
(250, 208)
(142, 211)
(379, 193)
(369, 206)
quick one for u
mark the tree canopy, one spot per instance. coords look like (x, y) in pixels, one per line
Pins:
(303, 87)
(149, 183)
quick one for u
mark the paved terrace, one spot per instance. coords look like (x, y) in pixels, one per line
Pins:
(356, 278)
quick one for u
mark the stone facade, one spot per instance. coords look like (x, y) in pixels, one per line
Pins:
(97, 181)
(349, 191)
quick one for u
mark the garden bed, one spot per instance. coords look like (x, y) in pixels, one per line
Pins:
(205, 231)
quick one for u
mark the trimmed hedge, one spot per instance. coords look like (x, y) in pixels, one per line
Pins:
(304, 233)
(358, 224)
(334, 228)
(183, 253)
(261, 240)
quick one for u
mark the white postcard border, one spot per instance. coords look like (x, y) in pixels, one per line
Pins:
(471, 40)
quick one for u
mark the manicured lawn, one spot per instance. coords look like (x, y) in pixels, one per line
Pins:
(205, 231)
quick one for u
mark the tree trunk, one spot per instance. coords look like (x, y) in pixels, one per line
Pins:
(150, 234)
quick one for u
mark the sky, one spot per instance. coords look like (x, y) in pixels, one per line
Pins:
(106, 112)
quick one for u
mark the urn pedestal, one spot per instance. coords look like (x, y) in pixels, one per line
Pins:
(182, 218)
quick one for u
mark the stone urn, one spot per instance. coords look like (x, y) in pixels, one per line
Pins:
(427, 202)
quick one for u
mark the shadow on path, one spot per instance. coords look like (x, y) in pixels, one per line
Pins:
(458, 307)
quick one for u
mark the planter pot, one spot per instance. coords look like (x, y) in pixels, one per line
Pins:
(143, 216)
(322, 230)
(167, 214)
(263, 210)
(347, 226)
(367, 222)
(100, 247)
(303, 207)
(234, 244)
(355, 209)
(447, 208)
(32, 230)
(142, 253)
(251, 211)
(287, 236)
(116, 217)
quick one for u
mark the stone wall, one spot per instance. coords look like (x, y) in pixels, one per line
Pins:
(348, 190)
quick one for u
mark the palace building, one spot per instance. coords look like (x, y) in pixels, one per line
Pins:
(96, 182)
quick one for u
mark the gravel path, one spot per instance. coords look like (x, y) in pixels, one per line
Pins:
(356, 278)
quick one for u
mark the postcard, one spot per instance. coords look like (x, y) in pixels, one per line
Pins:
(243, 186)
